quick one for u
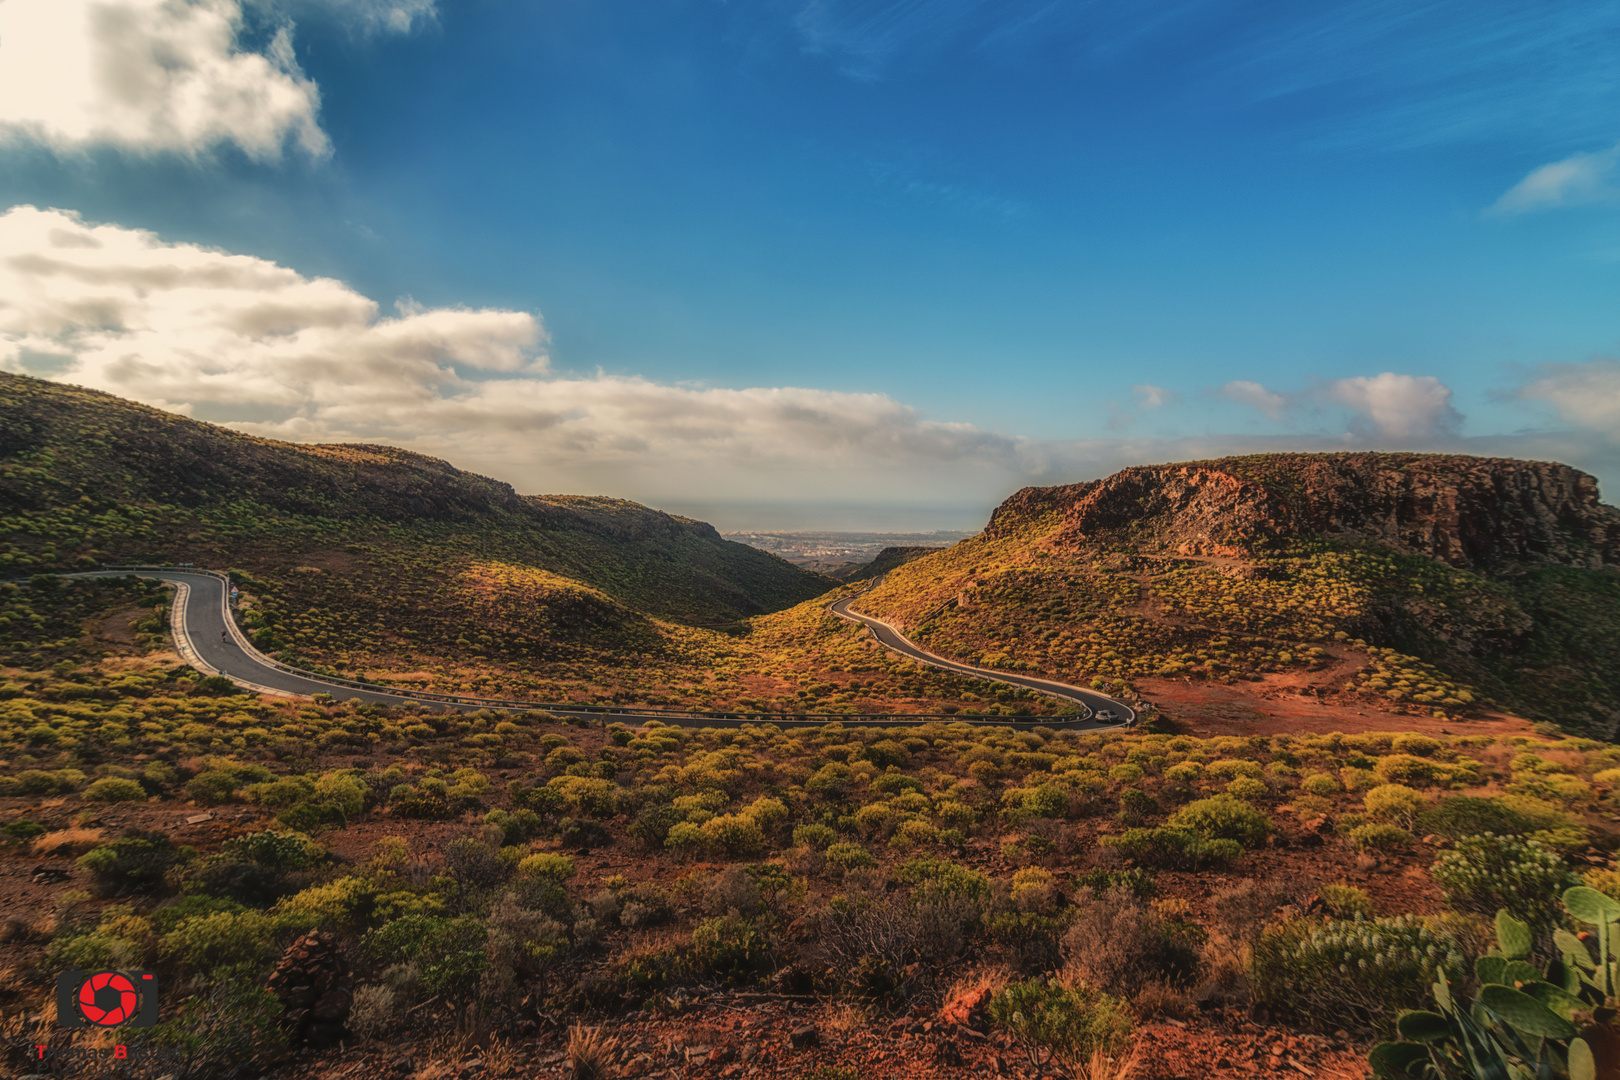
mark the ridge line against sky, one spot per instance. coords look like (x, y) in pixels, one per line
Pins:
(837, 264)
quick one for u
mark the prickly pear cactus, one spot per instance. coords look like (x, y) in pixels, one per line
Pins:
(1525, 1022)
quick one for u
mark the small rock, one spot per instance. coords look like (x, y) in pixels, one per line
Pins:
(805, 1036)
(967, 1008)
(748, 1052)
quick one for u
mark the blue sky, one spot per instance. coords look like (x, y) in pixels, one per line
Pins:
(833, 263)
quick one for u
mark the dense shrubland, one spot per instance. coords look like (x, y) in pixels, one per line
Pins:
(875, 863)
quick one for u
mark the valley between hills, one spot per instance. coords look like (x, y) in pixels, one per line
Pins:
(1377, 698)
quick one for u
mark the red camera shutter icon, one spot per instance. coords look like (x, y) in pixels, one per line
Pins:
(128, 1002)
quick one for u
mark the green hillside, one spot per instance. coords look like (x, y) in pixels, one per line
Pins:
(87, 477)
(369, 558)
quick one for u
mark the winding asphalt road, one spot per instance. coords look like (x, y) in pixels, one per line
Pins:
(891, 638)
(207, 637)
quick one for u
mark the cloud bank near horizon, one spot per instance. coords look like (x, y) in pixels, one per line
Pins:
(243, 341)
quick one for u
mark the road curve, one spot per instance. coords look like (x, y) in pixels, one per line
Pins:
(207, 637)
(891, 638)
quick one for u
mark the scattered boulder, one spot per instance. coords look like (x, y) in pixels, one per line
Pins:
(967, 1008)
(313, 985)
(804, 1037)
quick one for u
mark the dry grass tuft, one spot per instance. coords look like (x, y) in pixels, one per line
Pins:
(591, 1053)
(67, 842)
(844, 1018)
(994, 978)
(499, 1058)
(1225, 971)
(1102, 1065)
(444, 1058)
(1160, 999)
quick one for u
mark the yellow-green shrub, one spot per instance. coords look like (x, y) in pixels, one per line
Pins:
(734, 834)
(547, 865)
(1247, 787)
(1320, 784)
(1394, 804)
(913, 834)
(1183, 773)
(115, 789)
(768, 813)
(1355, 779)
(343, 790)
(587, 796)
(1405, 768)
(1380, 836)
(1231, 768)
(346, 903)
(1415, 744)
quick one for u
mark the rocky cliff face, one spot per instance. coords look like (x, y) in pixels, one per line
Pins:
(1465, 511)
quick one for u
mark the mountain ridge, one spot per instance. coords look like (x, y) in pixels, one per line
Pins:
(1436, 581)
(117, 480)
(1449, 507)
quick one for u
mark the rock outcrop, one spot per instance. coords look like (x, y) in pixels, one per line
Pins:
(313, 985)
(1487, 513)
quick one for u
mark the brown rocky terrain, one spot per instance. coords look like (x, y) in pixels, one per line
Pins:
(1464, 511)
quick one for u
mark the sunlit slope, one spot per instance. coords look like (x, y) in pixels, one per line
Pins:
(87, 477)
(1436, 582)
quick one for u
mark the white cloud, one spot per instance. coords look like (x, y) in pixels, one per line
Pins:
(1252, 393)
(1149, 396)
(1576, 180)
(154, 76)
(177, 322)
(1405, 407)
(150, 75)
(1585, 394)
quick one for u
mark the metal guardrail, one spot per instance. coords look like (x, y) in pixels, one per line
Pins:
(576, 708)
